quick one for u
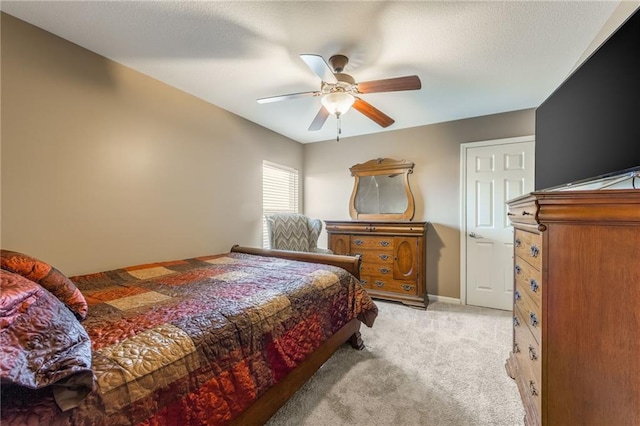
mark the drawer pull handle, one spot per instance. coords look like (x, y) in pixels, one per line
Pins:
(379, 283)
(510, 214)
(384, 243)
(532, 388)
(516, 295)
(407, 287)
(358, 242)
(534, 285)
(535, 251)
(516, 322)
(516, 348)
(363, 281)
(533, 319)
(384, 270)
(518, 242)
(384, 256)
(518, 269)
(532, 353)
(526, 213)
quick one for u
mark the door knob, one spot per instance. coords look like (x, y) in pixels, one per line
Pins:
(474, 235)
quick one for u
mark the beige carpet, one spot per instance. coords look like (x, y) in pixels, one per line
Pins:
(443, 366)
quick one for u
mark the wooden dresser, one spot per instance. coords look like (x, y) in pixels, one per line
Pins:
(393, 257)
(576, 314)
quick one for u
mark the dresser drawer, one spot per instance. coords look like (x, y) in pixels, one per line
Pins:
(365, 280)
(380, 269)
(379, 257)
(528, 246)
(529, 357)
(525, 317)
(528, 281)
(366, 242)
(523, 301)
(384, 283)
(528, 352)
(525, 213)
(531, 393)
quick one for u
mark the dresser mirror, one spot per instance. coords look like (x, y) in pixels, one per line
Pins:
(381, 190)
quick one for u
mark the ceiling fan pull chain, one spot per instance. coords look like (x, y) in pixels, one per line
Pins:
(339, 128)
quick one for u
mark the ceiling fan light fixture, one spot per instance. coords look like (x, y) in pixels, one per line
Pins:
(337, 102)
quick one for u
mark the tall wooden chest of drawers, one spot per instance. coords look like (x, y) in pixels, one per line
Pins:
(393, 257)
(576, 314)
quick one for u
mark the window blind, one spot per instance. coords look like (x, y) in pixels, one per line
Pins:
(279, 193)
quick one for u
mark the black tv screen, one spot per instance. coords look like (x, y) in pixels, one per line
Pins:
(590, 125)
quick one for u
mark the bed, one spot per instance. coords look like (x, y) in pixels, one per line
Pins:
(222, 339)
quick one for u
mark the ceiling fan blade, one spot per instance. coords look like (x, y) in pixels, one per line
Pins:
(320, 67)
(321, 117)
(290, 96)
(411, 82)
(373, 113)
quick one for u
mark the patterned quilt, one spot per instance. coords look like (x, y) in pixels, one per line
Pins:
(196, 341)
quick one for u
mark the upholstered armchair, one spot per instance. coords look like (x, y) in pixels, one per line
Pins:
(294, 231)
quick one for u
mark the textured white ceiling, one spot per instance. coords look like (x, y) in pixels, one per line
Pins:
(474, 58)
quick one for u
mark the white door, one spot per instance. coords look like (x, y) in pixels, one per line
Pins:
(495, 173)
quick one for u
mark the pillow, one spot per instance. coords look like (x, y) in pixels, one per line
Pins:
(41, 342)
(48, 277)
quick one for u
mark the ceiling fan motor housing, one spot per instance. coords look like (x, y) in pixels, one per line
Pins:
(345, 83)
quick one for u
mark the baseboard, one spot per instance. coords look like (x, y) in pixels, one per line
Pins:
(444, 299)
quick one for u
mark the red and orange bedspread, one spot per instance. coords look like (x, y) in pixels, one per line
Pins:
(197, 341)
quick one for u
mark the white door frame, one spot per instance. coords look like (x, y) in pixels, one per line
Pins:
(463, 202)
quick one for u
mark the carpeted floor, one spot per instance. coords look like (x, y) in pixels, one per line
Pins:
(441, 367)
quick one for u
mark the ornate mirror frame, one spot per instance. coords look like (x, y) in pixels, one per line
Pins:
(382, 167)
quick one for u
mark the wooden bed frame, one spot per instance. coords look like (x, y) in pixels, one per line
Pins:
(267, 405)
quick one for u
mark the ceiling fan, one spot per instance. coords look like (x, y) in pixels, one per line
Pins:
(339, 91)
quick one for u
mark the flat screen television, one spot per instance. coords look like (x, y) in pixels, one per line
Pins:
(590, 125)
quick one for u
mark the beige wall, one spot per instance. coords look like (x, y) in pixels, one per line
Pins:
(103, 167)
(435, 150)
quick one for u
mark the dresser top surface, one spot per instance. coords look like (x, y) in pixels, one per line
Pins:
(376, 222)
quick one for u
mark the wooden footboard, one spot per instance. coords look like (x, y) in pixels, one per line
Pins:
(267, 405)
(350, 263)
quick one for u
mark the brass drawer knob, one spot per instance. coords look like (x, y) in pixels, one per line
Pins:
(363, 281)
(384, 243)
(535, 251)
(379, 283)
(407, 287)
(358, 242)
(533, 319)
(533, 284)
(384, 256)
(384, 270)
